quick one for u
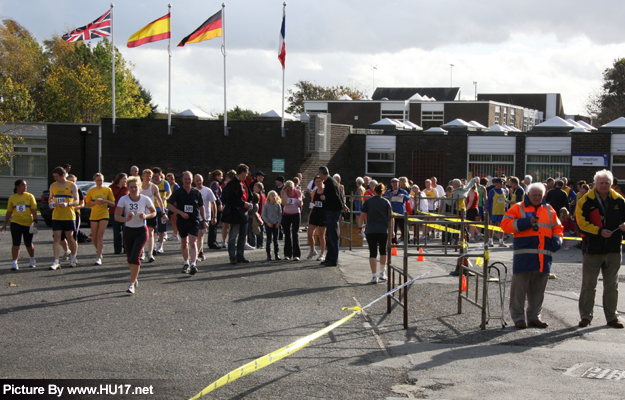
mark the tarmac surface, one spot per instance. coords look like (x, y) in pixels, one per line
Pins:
(180, 332)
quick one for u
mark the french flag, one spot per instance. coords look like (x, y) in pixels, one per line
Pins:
(282, 49)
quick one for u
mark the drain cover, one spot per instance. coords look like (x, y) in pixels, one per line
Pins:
(604, 373)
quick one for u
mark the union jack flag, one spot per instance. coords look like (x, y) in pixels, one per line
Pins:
(101, 27)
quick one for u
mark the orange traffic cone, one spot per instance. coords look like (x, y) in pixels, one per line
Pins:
(420, 258)
(464, 283)
(394, 251)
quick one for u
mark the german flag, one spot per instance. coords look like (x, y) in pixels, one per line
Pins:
(209, 29)
(154, 31)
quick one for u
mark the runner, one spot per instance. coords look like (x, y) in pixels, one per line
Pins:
(23, 207)
(63, 198)
(119, 189)
(210, 209)
(317, 221)
(215, 185)
(134, 206)
(99, 198)
(190, 210)
(172, 217)
(161, 217)
(151, 191)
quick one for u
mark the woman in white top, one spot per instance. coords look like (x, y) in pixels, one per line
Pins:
(131, 209)
(150, 190)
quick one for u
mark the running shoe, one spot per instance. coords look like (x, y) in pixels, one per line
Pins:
(185, 269)
(502, 244)
(151, 258)
(142, 256)
(55, 265)
(160, 250)
(200, 257)
(295, 258)
(136, 283)
(192, 270)
(131, 289)
(311, 254)
(33, 262)
(67, 255)
(98, 261)
(14, 267)
(322, 257)
(374, 280)
(382, 276)
(248, 247)
(72, 261)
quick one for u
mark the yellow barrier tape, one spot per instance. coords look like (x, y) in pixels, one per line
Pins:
(271, 358)
(490, 227)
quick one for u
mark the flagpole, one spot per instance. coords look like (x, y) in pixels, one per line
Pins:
(223, 51)
(283, 71)
(169, 78)
(113, 63)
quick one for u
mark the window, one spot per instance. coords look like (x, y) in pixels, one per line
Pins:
(29, 159)
(497, 115)
(491, 165)
(394, 114)
(432, 119)
(511, 118)
(381, 163)
(505, 116)
(543, 166)
(618, 167)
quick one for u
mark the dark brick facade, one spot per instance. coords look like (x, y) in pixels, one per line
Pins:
(68, 144)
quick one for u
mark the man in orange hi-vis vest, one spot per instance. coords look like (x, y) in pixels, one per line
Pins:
(537, 235)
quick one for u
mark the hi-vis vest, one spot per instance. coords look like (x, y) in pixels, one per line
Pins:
(533, 250)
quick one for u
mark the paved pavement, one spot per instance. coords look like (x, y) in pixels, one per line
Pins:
(180, 332)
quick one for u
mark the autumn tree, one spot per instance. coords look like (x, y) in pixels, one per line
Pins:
(608, 103)
(309, 91)
(23, 63)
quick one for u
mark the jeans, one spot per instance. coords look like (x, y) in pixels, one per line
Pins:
(211, 242)
(272, 237)
(291, 239)
(332, 220)
(118, 228)
(236, 250)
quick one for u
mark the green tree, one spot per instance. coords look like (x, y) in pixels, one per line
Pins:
(309, 91)
(239, 114)
(608, 103)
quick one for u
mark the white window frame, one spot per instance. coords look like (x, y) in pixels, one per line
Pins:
(22, 148)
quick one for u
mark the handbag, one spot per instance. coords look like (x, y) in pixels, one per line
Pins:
(257, 222)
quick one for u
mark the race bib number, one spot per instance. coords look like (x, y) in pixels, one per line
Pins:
(318, 204)
(290, 200)
(60, 200)
(397, 199)
(133, 206)
(188, 209)
(500, 200)
(21, 208)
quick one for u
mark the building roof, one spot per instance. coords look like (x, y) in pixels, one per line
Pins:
(404, 93)
(556, 122)
(617, 123)
(586, 125)
(195, 114)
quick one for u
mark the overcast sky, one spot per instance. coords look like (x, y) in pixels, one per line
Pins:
(554, 46)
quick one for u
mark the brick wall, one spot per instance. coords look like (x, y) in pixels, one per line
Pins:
(67, 144)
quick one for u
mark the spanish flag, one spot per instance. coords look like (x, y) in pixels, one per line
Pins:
(209, 29)
(152, 32)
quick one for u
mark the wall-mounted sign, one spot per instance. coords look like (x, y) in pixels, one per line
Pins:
(589, 160)
(277, 164)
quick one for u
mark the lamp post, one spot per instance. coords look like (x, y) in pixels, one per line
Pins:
(475, 84)
(373, 69)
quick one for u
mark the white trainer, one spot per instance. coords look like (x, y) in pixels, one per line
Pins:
(131, 289)
(311, 254)
(32, 263)
(55, 265)
(98, 261)
(14, 267)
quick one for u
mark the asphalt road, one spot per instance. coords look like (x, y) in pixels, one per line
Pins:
(180, 332)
